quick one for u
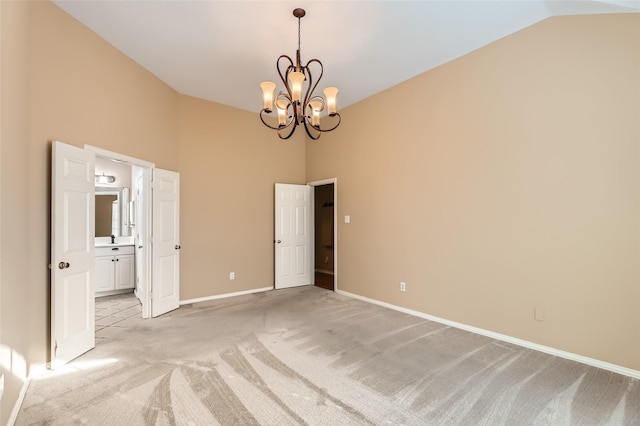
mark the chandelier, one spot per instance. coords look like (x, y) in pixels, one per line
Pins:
(293, 108)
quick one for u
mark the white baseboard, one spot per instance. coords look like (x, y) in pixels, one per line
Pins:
(520, 342)
(16, 407)
(224, 296)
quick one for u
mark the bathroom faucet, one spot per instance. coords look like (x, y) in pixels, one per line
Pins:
(113, 239)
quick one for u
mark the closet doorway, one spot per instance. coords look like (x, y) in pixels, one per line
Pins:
(325, 233)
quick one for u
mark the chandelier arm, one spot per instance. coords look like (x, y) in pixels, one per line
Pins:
(291, 119)
(316, 98)
(264, 122)
(332, 128)
(293, 129)
(314, 137)
(305, 100)
(310, 89)
(283, 77)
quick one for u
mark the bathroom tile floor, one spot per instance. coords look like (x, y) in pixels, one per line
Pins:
(114, 314)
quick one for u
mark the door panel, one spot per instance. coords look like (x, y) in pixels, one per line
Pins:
(292, 235)
(72, 253)
(104, 273)
(124, 272)
(166, 242)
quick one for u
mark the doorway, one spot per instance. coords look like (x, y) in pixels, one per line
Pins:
(306, 240)
(137, 218)
(74, 254)
(325, 233)
(323, 209)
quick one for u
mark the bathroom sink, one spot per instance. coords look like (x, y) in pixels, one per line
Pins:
(120, 242)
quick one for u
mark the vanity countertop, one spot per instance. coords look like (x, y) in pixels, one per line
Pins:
(113, 245)
(120, 242)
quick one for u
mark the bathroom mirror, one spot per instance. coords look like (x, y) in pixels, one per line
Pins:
(112, 205)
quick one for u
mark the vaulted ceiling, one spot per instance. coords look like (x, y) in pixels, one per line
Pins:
(221, 50)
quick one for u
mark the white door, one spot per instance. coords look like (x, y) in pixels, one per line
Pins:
(292, 235)
(165, 239)
(142, 220)
(72, 254)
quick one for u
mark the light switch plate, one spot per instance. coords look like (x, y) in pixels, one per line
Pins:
(347, 219)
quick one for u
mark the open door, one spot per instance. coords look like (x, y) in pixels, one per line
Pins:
(141, 220)
(292, 235)
(165, 276)
(72, 253)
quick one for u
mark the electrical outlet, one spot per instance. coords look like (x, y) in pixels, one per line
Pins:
(232, 275)
(538, 314)
(403, 286)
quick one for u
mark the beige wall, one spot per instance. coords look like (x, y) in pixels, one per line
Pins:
(229, 163)
(82, 91)
(62, 82)
(503, 181)
(14, 202)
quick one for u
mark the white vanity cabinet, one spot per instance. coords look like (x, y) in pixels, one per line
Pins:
(114, 268)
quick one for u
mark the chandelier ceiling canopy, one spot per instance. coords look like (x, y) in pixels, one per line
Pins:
(298, 105)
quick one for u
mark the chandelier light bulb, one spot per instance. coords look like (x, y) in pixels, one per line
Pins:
(316, 107)
(315, 118)
(267, 94)
(295, 81)
(330, 93)
(281, 106)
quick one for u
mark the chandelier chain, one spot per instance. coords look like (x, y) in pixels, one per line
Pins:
(299, 33)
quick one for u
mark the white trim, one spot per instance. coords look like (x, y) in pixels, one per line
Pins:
(333, 181)
(224, 296)
(520, 342)
(119, 157)
(33, 372)
(18, 405)
(323, 182)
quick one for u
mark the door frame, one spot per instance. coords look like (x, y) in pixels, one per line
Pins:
(145, 285)
(313, 184)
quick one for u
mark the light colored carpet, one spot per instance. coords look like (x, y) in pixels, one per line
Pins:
(310, 356)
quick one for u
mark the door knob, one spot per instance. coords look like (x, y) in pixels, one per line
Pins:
(279, 241)
(177, 247)
(63, 265)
